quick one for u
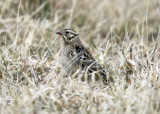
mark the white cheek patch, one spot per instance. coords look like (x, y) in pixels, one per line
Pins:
(72, 36)
(64, 37)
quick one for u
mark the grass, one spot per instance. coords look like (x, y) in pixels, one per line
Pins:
(121, 34)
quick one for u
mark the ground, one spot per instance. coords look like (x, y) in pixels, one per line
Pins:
(121, 34)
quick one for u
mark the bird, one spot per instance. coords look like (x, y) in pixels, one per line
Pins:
(74, 55)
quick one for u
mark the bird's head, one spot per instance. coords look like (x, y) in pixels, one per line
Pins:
(69, 36)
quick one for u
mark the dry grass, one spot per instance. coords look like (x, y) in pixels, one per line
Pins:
(123, 34)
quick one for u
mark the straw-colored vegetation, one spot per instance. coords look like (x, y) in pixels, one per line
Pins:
(123, 34)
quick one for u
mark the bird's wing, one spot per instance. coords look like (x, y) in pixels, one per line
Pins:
(85, 56)
(87, 60)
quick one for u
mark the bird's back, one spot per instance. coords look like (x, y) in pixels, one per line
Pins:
(78, 57)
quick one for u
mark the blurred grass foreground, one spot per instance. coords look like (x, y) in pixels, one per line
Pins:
(121, 34)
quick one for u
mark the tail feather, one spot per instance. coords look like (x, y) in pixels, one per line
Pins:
(101, 73)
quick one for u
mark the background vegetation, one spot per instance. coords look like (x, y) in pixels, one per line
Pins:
(123, 34)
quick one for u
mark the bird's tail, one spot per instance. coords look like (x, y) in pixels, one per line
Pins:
(105, 76)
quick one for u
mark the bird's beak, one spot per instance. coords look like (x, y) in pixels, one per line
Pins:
(59, 33)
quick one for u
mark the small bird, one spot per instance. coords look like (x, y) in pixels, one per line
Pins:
(74, 55)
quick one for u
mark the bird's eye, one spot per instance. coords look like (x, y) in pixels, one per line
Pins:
(67, 32)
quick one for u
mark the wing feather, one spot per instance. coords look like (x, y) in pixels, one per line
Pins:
(87, 60)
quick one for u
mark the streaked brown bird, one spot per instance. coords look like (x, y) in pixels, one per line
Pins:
(74, 55)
